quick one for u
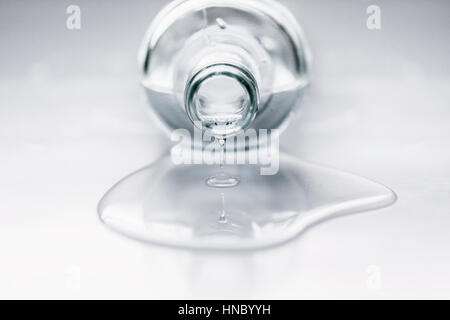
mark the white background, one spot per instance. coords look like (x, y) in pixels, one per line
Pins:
(73, 120)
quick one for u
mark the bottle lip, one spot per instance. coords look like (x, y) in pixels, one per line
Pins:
(246, 115)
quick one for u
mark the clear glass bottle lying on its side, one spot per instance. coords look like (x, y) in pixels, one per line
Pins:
(228, 64)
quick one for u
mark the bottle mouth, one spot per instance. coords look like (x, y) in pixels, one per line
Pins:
(222, 98)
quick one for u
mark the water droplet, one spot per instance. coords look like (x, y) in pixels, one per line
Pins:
(223, 218)
(222, 180)
(221, 23)
(222, 152)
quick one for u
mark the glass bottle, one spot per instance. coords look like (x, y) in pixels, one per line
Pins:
(224, 65)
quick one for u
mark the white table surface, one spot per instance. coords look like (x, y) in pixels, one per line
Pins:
(73, 120)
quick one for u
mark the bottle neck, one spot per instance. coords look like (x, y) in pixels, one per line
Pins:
(221, 76)
(222, 97)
